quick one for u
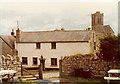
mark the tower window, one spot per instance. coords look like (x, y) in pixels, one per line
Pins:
(99, 21)
(53, 45)
(38, 46)
(94, 45)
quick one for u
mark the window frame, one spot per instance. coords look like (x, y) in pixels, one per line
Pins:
(94, 45)
(36, 61)
(55, 62)
(25, 60)
(53, 45)
(38, 45)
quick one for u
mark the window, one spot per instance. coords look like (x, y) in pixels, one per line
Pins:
(16, 52)
(53, 45)
(53, 61)
(94, 45)
(24, 60)
(34, 60)
(99, 21)
(37, 45)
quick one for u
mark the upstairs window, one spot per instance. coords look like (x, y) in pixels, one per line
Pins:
(38, 46)
(53, 61)
(53, 45)
(35, 62)
(24, 60)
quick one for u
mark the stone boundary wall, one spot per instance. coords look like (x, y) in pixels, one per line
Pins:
(97, 67)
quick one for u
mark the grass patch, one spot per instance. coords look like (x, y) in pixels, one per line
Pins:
(81, 79)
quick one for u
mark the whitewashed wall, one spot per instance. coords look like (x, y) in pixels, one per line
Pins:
(62, 49)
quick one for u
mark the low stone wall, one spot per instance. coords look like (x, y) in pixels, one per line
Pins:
(12, 63)
(89, 62)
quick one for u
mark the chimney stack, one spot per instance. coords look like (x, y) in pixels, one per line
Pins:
(18, 35)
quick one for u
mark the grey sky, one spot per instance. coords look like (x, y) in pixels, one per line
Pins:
(51, 15)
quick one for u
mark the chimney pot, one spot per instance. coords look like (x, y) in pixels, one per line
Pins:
(97, 11)
(62, 29)
(88, 29)
(12, 33)
(56, 29)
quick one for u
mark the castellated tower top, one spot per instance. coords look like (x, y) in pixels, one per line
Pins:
(97, 19)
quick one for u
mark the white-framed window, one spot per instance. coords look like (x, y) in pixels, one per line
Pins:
(53, 61)
(38, 45)
(53, 45)
(24, 60)
(35, 61)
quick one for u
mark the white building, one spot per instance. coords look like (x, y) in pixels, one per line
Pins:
(52, 45)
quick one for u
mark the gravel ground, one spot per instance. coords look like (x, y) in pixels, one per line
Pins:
(52, 75)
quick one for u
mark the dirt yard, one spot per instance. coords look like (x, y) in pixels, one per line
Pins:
(51, 75)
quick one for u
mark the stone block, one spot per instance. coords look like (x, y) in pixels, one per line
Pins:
(102, 72)
(95, 71)
(89, 64)
(91, 68)
(93, 65)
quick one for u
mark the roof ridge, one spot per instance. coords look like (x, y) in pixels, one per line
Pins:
(107, 25)
(57, 31)
(5, 35)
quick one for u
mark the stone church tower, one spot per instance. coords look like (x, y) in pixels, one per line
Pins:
(99, 28)
(97, 22)
(98, 25)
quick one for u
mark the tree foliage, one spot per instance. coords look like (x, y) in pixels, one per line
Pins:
(109, 47)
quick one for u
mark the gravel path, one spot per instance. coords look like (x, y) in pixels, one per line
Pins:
(54, 77)
(50, 75)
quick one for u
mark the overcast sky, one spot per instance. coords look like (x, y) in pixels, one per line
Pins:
(37, 16)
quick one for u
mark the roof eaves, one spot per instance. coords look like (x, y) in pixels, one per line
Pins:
(6, 42)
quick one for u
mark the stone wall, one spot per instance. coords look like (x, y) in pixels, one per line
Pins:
(89, 62)
(11, 63)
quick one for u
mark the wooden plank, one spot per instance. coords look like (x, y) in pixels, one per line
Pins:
(114, 71)
(112, 78)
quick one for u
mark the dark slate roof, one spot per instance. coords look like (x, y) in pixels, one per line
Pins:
(108, 29)
(9, 40)
(56, 36)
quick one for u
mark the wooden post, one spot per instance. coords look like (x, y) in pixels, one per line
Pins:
(13, 77)
(0, 79)
(40, 71)
(8, 77)
(21, 69)
(60, 67)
